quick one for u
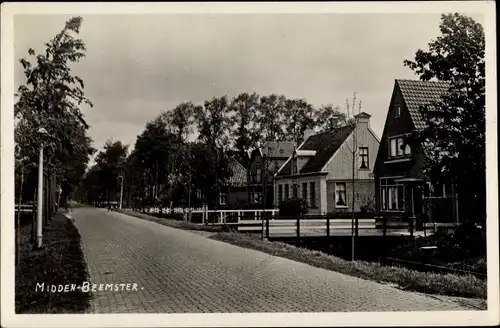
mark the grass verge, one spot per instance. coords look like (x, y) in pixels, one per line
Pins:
(171, 222)
(431, 283)
(59, 262)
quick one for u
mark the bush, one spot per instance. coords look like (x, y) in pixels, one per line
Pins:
(466, 244)
(293, 207)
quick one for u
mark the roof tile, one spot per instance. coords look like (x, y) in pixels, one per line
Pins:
(420, 93)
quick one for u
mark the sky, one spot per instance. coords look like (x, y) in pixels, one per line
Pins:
(138, 66)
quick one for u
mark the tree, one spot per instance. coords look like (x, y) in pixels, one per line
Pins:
(271, 117)
(329, 117)
(214, 126)
(181, 119)
(156, 150)
(454, 138)
(299, 116)
(245, 108)
(111, 164)
(51, 99)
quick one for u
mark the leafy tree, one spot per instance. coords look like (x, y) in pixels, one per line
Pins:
(157, 156)
(329, 117)
(245, 108)
(454, 139)
(51, 99)
(298, 117)
(111, 164)
(214, 125)
(181, 119)
(271, 117)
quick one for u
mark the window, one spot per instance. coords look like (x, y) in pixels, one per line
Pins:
(312, 186)
(223, 198)
(398, 148)
(397, 111)
(340, 195)
(280, 194)
(295, 190)
(287, 191)
(392, 195)
(294, 165)
(258, 174)
(363, 158)
(256, 197)
(304, 192)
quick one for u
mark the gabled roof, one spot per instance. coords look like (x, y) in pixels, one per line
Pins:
(420, 93)
(325, 144)
(277, 149)
(238, 173)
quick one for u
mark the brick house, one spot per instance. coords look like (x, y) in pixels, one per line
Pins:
(264, 163)
(400, 183)
(320, 170)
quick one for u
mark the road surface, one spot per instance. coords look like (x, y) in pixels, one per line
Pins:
(179, 271)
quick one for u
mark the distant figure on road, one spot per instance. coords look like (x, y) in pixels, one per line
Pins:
(109, 206)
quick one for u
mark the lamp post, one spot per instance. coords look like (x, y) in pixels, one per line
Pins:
(121, 189)
(39, 210)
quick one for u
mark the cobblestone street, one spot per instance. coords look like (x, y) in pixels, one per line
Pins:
(178, 271)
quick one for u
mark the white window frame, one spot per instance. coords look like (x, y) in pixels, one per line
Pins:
(387, 190)
(304, 193)
(366, 156)
(295, 190)
(398, 151)
(337, 191)
(280, 193)
(312, 188)
(223, 198)
(258, 174)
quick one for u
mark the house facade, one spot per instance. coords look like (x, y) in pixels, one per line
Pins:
(264, 163)
(320, 170)
(401, 186)
(233, 195)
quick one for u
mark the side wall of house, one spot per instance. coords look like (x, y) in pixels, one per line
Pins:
(340, 167)
(364, 195)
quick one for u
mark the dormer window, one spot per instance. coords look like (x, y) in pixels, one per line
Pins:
(397, 111)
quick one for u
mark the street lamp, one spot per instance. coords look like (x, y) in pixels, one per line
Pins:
(39, 211)
(121, 189)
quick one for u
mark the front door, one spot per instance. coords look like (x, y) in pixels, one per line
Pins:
(417, 200)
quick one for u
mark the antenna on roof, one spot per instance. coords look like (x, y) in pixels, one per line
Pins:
(359, 108)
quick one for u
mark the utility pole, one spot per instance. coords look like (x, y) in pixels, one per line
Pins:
(354, 146)
(121, 190)
(353, 192)
(18, 234)
(39, 212)
(189, 197)
(264, 195)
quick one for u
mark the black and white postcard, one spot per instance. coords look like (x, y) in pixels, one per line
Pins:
(249, 164)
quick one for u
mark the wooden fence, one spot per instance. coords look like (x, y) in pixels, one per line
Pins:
(25, 208)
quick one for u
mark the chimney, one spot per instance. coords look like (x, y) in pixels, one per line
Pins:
(308, 133)
(363, 119)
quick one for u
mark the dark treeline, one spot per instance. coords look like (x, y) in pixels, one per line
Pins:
(189, 148)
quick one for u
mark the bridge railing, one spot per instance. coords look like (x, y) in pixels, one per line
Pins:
(309, 227)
